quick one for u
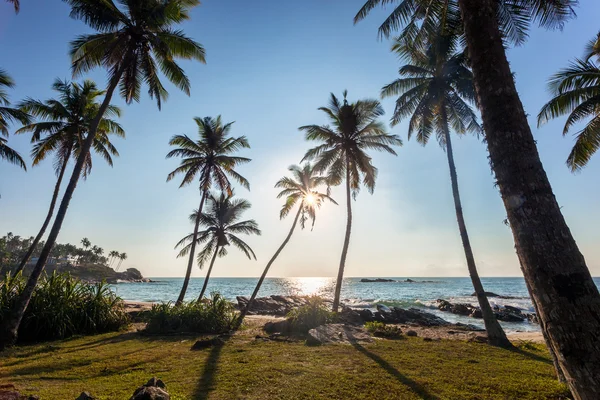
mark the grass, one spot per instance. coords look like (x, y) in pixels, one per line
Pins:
(111, 366)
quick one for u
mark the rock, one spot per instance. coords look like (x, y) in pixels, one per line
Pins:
(468, 327)
(409, 280)
(416, 316)
(154, 389)
(378, 280)
(283, 326)
(274, 305)
(349, 316)
(513, 310)
(427, 339)
(506, 316)
(337, 333)
(411, 333)
(366, 315)
(458, 308)
(85, 396)
(533, 318)
(476, 313)
(487, 294)
(478, 339)
(383, 309)
(204, 344)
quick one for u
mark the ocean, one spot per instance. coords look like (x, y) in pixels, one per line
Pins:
(421, 294)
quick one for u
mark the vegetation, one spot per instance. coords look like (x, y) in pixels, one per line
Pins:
(303, 188)
(576, 91)
(222, 225)
(309, 316)
(343, 155)
(7, 115)
(111, 366)
(210, 158)
(62, 306)
(380, 329)
(214, 315)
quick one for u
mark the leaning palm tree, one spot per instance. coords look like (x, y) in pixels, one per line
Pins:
(343, 154)
(62, 127)
(548, 253)
(15, 4)
(113, 255)
(433, 92)
(210, 159)
(122, 257)
(576, 91)
(222, 225)
(7, 115)
(302, 188)
(134, 41)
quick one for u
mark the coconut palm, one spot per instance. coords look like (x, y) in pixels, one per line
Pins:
(301, 189)
(7, 115)
(576, 91)
(15, 4)
(122, 257)
(62, 128)
(134, 41)
(210, 160)
(113, 255)
(343, 154)
(433, 92)
(222, 225)
(547, 251)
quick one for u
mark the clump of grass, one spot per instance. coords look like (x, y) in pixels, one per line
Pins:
(310, 315)
(380, 329)
(215, 315)
(63, 306)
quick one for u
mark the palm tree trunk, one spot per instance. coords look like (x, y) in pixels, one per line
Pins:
(8, 333)
(212, 262)
(188, 273)
(264, 274)
(48, 216)
(559, 280)
(340, 277)
(495, 333)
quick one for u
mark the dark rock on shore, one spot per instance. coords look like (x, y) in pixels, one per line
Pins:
(506, 313)
(367, 280)
(488, 294)
(397, 315)
(275, 304)
(337, 333)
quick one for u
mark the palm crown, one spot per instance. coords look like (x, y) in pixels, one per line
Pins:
(209, 156)
(355, 129)
(302, 187)
(576, 92)
(65, 123)
(134, 42)
(7, 115)
(432, 91)
(222, 223)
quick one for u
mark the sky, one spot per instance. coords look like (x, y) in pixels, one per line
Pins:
(270, 65)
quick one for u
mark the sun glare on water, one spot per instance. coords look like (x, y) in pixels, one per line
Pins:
(311, 285)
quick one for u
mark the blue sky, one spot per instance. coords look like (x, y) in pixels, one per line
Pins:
(269, 66)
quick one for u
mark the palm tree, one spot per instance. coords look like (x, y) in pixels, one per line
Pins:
(576, 91)
(64, 122)
(301, 188)
(133, 42)
(433, 92)
(222, 224)
(343, 154)
(122, 257)
(15, 4)
(8, 114)
(210, 159)
(558, 278)
(113, 255)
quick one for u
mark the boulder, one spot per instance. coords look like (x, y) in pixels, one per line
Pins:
(513, 310)
(397, 315)
(349, 316)
(366, 315)
(282, 326)
(487, 294)
(411, 333)
(204, 344)
(154, 389)
(377, 280)
(85, 396)
(337, 333)
(409, 280)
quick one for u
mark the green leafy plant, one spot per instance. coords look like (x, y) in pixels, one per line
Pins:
(214, 315)
(380, 329)
(63, 306)
(310, 315)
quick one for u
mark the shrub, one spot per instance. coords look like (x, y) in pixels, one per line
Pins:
(63, 306)
(380, 329)
(310, 315)
(215, 315)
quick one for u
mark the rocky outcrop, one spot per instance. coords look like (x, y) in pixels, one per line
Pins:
(505, 313)
(337, 333)
(377, 280)
(154, 389)
(275, 304)
(397, 315)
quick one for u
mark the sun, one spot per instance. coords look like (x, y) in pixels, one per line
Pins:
(310, 199)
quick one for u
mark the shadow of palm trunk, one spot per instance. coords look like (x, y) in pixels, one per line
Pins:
(209, 372)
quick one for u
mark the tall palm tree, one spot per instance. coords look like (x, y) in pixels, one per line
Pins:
(303, 188)
(576, 91)
(208, 158)
(15, 4)
(7, 115)
(222, 223)
(433, 92)
(122, 257)
(343, 154)
(63, 126)
(134, 41)
(558, 278)
(113, 255)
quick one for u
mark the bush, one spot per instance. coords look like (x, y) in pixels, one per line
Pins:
(310, 315)
(215, 315)
(380, 329)
(63, 306)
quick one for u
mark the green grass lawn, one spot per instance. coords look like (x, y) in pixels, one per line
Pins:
(111, 366)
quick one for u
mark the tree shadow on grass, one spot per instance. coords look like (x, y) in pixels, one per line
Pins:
(416, 387)
(204, 386)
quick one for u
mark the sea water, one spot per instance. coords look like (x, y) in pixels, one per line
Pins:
(422, 293)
